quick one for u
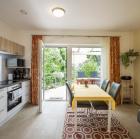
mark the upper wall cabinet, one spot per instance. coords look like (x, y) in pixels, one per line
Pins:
(10, 47)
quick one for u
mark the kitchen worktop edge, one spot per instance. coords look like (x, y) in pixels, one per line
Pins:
(13, 83)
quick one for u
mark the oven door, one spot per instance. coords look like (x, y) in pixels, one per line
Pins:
(14, 98)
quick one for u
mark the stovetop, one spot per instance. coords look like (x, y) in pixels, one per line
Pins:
(8, 83)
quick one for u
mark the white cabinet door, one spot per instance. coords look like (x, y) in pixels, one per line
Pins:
(25, 92)
(3, 104)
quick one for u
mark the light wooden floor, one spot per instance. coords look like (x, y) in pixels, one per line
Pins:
(28, 124)
(127, 115)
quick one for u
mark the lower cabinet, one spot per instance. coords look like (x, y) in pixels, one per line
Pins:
(3, 104)
(25, 92)
(4, 115)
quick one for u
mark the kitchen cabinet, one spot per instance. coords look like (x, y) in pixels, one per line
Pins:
(10, 47)
(17, 49)
(3, 104)
(21, 50)
(25, 92)
(3, 45)
(14, 48)
(6, 115)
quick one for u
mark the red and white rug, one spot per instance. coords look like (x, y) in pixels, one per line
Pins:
(93, 126)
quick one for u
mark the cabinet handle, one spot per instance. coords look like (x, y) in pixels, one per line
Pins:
(1, 97)
(1, 110)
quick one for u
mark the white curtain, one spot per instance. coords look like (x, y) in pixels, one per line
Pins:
(40, 82)
(105, 58)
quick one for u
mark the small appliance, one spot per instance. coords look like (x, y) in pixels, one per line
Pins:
(26, 73)
(10, 76)
(21, 73)
(15, 62)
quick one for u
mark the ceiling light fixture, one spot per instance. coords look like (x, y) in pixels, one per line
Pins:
(58, 12)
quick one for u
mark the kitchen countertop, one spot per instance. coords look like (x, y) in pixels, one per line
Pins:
(9, 83)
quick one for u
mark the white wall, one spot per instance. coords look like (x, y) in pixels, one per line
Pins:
(17, 36)
(137, 67)
(10, 33)
(126, 41)
(24, 38)
(27, 42)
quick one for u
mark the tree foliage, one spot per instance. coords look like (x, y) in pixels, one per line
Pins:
(54, 61)
(92, 64)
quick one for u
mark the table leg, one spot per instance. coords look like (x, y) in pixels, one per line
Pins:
(122, 93)
(109, 117)
(75, 119)
(133, 95)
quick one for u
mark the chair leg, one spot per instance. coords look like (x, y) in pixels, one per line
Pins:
(87, 111)
(92, 108)
(95, 113)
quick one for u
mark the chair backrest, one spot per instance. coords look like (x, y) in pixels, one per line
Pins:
(105, 84)
(94, 74)
(70, 94)
(81, 74)
(114, 90)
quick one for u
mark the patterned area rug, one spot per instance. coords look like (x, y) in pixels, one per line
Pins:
(93, 126)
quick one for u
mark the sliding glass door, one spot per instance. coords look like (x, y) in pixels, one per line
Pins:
(69, 63)
(55, 60)
(86, 65)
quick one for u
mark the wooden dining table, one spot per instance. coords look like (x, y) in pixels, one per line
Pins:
(92, 93)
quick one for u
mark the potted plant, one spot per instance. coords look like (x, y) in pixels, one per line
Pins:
(128, 57)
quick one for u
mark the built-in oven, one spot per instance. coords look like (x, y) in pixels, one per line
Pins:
(14, 96)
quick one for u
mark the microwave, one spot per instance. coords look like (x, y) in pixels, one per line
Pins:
(15, 62)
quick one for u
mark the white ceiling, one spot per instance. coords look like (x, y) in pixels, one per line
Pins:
(113, 15)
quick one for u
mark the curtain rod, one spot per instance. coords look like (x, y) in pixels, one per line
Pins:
(79, 36)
